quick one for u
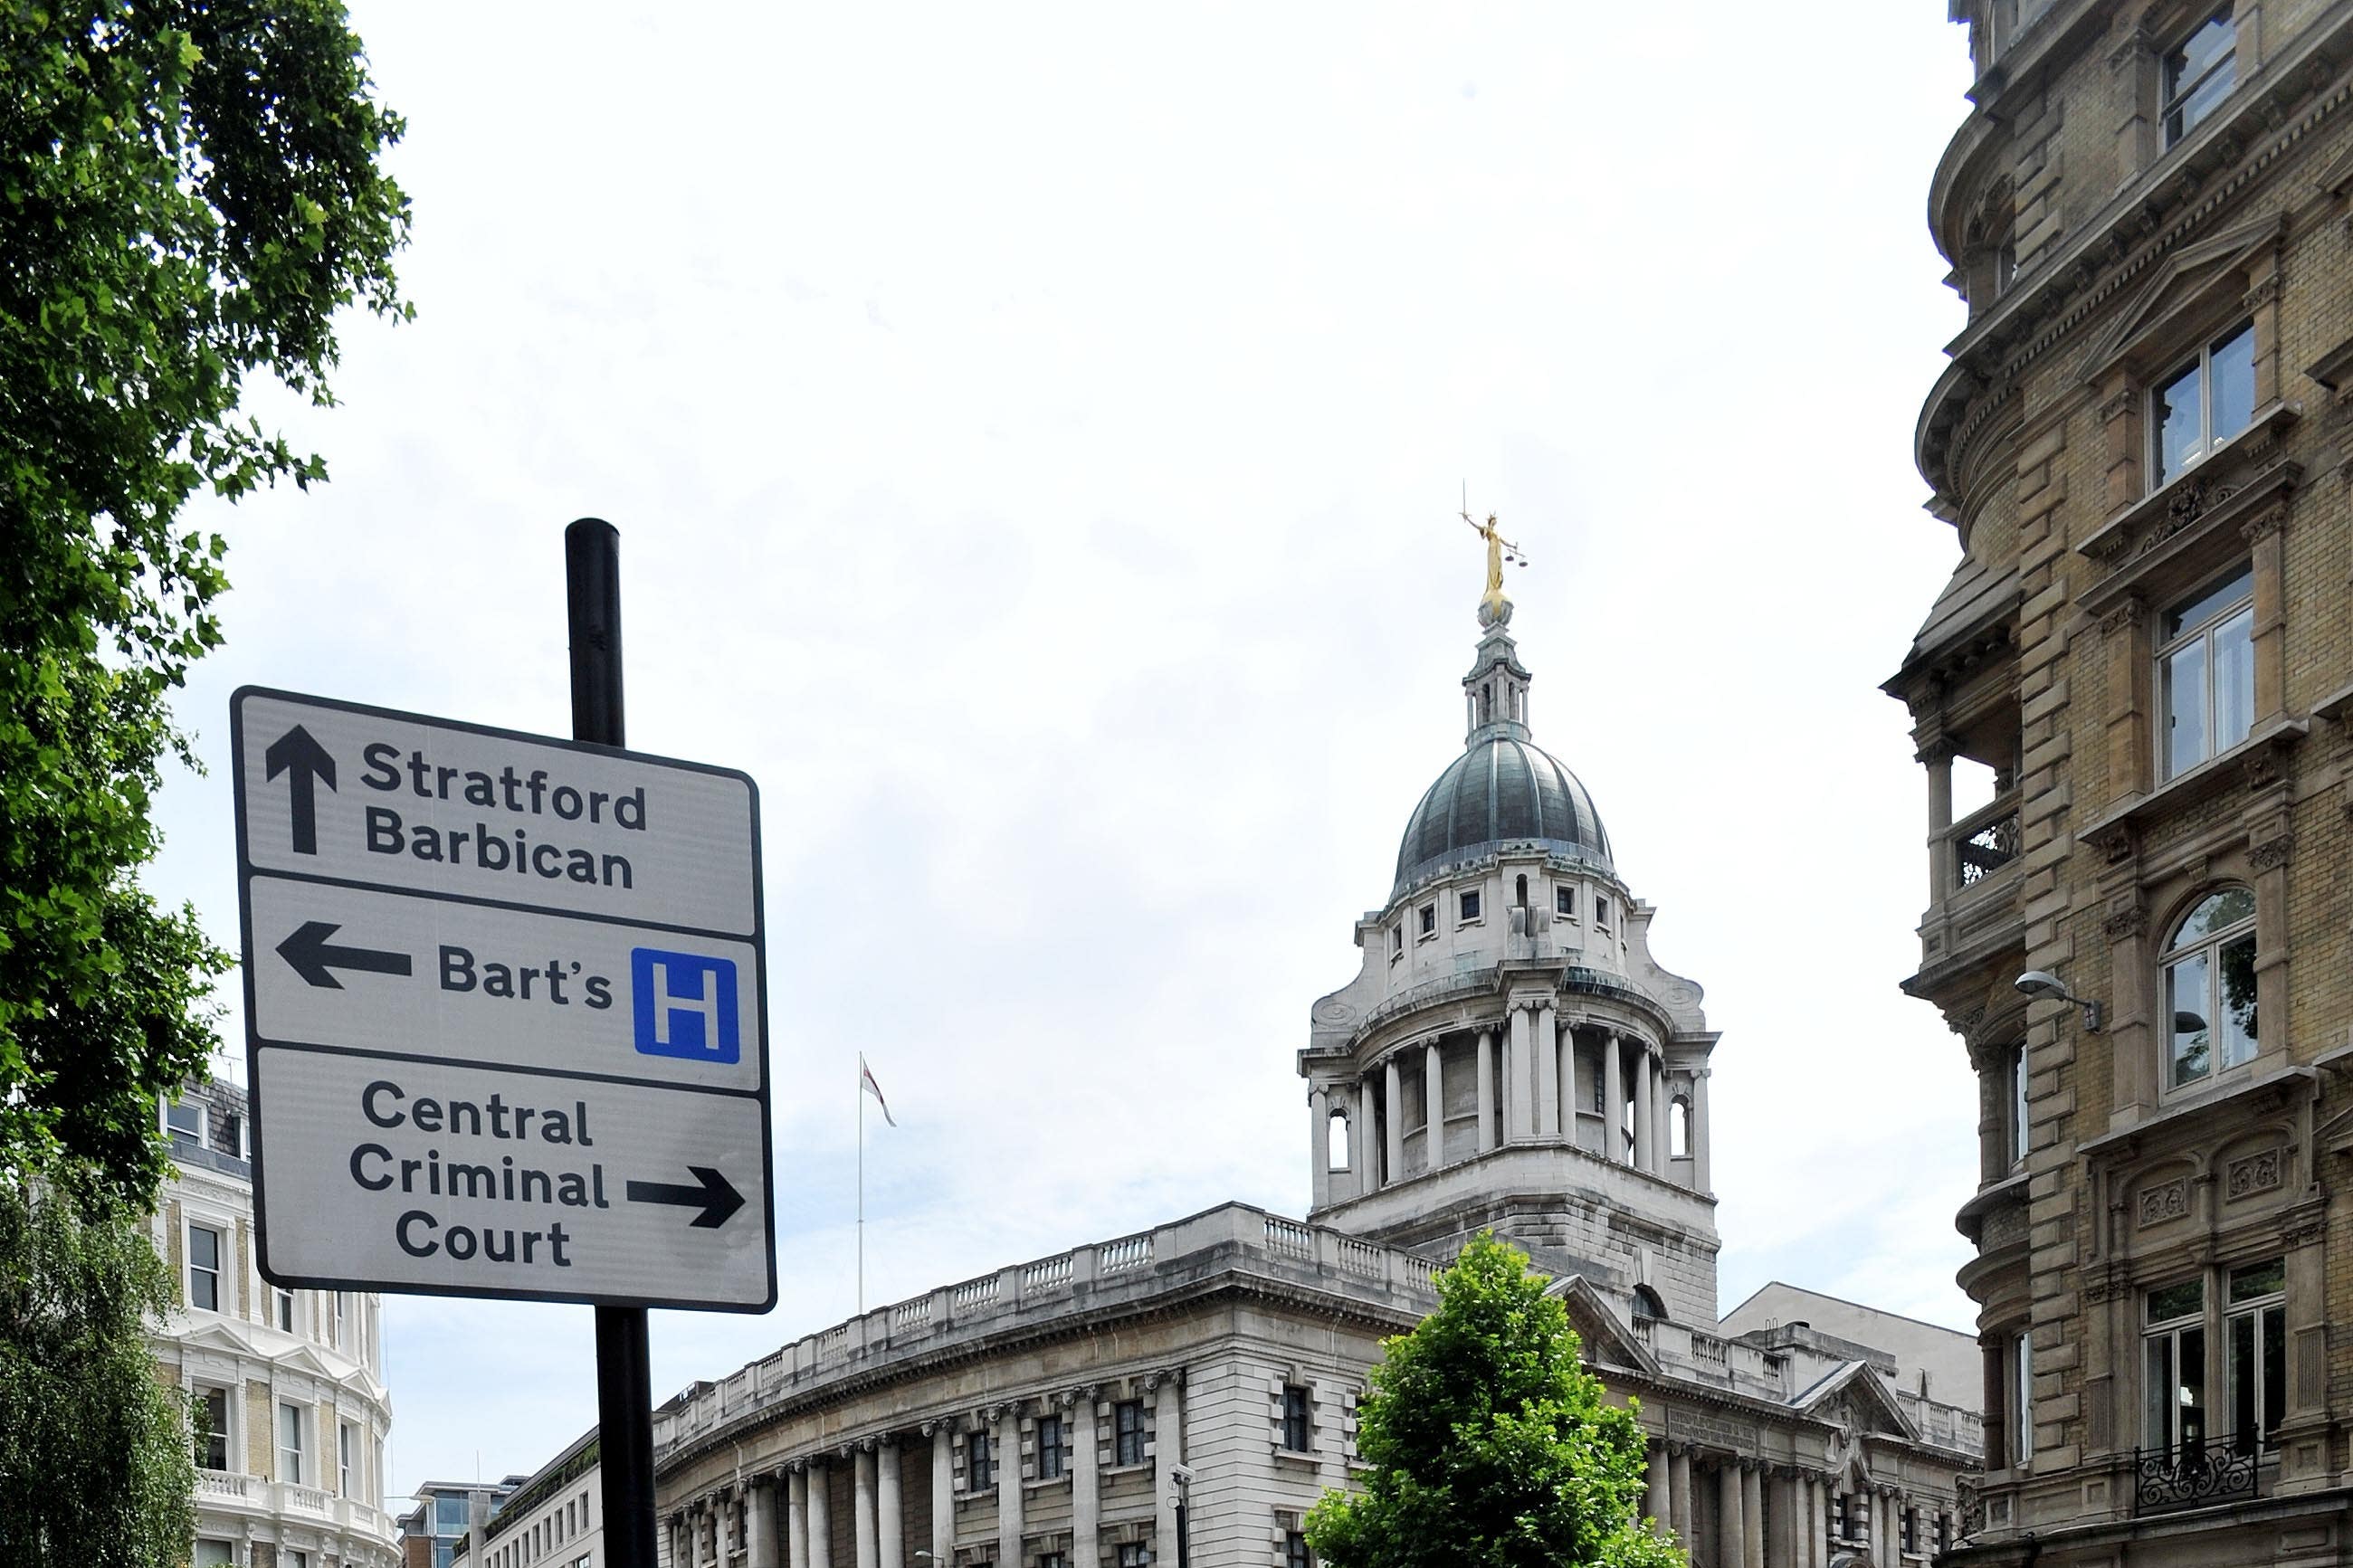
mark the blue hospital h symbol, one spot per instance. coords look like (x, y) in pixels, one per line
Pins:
(684, 1004)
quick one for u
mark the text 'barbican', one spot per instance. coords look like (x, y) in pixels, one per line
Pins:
(498, 849)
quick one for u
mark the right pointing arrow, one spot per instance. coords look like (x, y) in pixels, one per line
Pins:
(715, 1196)
(306, 761)
(310, 956)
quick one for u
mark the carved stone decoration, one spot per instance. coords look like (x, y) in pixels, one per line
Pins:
(1335, 1013)
(2256, 1173)
(2165, 1201)
(2115, 843)
(2259, 528)
(2263, 767)
(2261, 294)
(2129, 923)
(2123, 618)
(2273, 853)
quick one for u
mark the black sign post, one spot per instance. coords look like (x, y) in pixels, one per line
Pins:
(625, 1392)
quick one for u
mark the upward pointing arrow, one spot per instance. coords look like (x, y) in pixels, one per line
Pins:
(305, 761)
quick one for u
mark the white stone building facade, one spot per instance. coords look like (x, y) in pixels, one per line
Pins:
(290, 1457)
(1510, 1057)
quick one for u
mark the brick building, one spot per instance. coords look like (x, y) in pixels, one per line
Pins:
(1508, 1055)
(2131, 701)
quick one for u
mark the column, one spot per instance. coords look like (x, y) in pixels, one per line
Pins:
(1086, 1502)
(796, 1530)
(1752, 1517)
(943, 1493)
(1433, 1106)
(760, 1522)
(1646, 1121)
(821, 1512)
(1368, 1157)
(890, 1516)
(704, 1522)
(1168, 1450)
(1786, 1545)
(1656, 1501)
(861, 1503)
(1662, 1108)
(1699, 1178)
(1319, 1141)
(1393, 1119)
(1815, 1525)
(1731, 1537)
(1521, 1120)
(1938, 756)
(1679, 1496)
(1548, 1071)
(1613, 1096)
(1005, 1447)
(1486, 1090)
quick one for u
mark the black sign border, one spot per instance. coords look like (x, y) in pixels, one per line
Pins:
(246, 872)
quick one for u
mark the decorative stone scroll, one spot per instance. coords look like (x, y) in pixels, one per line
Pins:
(2167, 1200)
(2256, 1173)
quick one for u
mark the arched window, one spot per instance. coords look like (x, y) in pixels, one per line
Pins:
(2209, 987)
(1679, 1146)
(1648, 1308)
(1520, 898)
(1336, 1138)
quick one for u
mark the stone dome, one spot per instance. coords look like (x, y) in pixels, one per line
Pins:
(1501, 793)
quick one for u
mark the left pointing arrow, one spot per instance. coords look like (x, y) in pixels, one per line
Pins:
(305, 762)
(307, 953)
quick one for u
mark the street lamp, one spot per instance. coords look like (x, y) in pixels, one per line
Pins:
(2044, 986)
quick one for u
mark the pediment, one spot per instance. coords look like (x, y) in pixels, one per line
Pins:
(1854, 1400)
(1605, 1338)
(2194, 280)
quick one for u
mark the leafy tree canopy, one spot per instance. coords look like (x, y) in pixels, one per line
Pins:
(1490, 1443)
(95, 1469)
(189, 190)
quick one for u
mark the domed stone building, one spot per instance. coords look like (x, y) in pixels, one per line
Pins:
(1509, 1057)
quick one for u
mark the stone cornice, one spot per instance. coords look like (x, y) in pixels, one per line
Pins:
(2130, 236)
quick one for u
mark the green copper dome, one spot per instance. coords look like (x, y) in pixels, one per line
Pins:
(1503, 793)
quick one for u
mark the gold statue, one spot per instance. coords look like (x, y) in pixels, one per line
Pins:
(1493, 607)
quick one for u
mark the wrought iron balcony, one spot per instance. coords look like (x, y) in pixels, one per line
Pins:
(1984, 842)
(2194, 1474)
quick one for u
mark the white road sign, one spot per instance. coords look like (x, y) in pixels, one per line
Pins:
(506, 1012)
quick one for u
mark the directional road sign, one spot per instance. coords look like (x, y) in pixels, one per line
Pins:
(506, 1012)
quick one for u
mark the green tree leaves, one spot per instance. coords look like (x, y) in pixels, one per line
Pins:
(189, 190)
(1490, 1443)
(96, 1464)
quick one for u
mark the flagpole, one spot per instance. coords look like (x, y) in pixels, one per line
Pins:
(860, 1092)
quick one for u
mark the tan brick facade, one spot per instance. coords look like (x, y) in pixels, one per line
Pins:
(2126, 239)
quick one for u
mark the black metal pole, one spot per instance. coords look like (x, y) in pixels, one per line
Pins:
(625, 1395)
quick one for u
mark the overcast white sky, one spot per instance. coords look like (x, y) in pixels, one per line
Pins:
(1035, 435)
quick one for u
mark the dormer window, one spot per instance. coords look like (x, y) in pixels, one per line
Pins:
(1470, 907)
(2200, 74)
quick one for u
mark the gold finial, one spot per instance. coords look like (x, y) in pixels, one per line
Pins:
(1493, 607)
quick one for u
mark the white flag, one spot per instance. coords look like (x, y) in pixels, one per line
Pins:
(866, 1082)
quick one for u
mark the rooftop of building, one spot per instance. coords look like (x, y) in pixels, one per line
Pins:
(1237, 1245)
